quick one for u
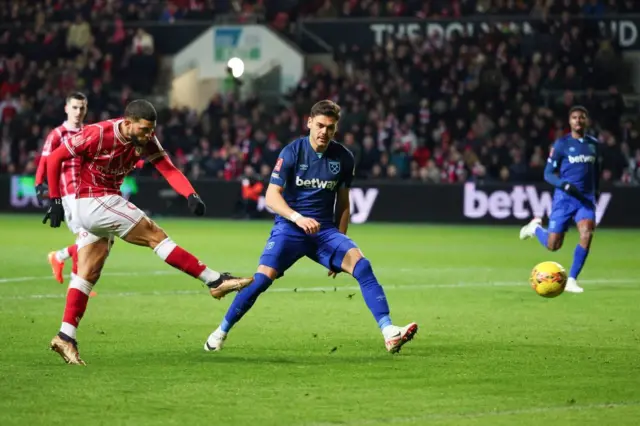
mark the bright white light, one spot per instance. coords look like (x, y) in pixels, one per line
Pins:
(237, 67)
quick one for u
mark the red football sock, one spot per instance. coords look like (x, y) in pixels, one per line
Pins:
(181, 259)
(73, 252)
(185, 261)
(76, 305)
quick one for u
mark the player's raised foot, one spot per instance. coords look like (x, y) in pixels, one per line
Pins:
(56, 267)
(226, 284)
(67, 348)
(215, 342)
(395, 337)
(572, 286)
(529, 230)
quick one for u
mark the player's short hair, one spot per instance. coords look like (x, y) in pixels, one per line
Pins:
(327, 108)
(78, 96)
(578, 108)
(140, 109)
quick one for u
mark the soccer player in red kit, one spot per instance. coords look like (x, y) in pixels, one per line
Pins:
(76, 109)
(109, 150)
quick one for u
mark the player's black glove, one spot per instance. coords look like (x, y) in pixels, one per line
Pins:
(41, 193)
(55, 213)
(572, 190)
(196, 205)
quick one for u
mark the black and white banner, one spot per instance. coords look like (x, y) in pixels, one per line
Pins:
(369, 32)
(372, 202)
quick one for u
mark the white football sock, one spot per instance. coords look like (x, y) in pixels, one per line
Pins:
(209, 275)
(69, 330)
(390, 331)
(62, 255)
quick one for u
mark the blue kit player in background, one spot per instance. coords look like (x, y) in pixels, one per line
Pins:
(573, 169)
(311, 175)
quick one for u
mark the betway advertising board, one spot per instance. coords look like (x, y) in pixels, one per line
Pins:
(469, 203)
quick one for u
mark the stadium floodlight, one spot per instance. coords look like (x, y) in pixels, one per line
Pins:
(237, 67)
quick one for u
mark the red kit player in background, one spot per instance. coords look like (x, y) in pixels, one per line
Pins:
(76, 109)
(109, 150)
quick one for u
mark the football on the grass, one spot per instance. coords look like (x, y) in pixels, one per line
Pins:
(548, 279)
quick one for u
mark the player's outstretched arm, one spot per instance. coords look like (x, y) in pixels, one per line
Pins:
(553, 163)
(41, 189)
(343, 210)
(551, 177)
(276, 202)
(343, 203)
(50, 144)
(180, 184)
(55, 213)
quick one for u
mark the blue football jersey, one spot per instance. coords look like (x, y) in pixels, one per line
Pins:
(577, 162)
(311, 180)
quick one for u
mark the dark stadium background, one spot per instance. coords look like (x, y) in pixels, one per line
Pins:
(480, 105)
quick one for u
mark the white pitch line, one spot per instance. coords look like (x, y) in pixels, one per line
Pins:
(323, 289)
(304, 271)
(108, 274)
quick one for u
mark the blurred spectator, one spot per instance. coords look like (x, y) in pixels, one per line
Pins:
(142, 43)
(252, 188)
(78, 35)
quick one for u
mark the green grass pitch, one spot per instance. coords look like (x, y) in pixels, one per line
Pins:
(489, 350)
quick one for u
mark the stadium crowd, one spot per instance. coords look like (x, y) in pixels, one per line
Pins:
(287, 11)
(431, 110)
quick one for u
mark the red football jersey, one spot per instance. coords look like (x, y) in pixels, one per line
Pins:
(70, 173)
(107, 157)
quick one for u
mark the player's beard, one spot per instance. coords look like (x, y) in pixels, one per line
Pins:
(136, 141)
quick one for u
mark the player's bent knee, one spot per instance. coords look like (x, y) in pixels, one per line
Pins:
(268, 271)
(90, 267)
(585, 237)
(554, 246)
(555, 241)
(351, 258)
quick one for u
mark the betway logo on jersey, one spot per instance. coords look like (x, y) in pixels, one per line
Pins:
(521, 202)
(581, 158)
(316, 183)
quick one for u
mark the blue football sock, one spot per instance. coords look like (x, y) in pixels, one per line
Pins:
(372, 292)
(579, 257)
(543, 236)
(244, 300)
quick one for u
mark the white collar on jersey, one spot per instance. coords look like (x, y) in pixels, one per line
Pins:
(69, 127)
(116, 131)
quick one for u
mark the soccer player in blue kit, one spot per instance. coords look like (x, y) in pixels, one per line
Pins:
(312, 174)
(575, 157)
